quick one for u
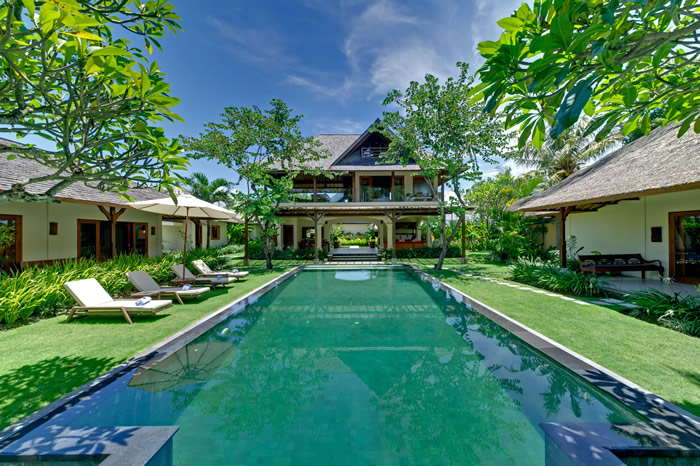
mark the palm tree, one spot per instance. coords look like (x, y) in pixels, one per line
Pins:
(217, 190)
(559, 158)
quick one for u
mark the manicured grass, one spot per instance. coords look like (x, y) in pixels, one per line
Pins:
(656, 358)
(45, 360)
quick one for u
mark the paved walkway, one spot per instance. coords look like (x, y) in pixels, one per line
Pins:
(518, 286)
(626, 284)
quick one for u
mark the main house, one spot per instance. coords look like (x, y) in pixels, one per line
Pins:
(364, 190)
(644, 198)
(84, 222)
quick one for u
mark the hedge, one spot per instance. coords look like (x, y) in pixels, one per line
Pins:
(427, 252)
(256, 252)
(38, 291)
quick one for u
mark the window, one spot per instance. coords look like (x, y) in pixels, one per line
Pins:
(398, 188)
(95, 239)
(10, 241)
(215, 232)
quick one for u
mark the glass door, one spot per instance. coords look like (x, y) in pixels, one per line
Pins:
(141, 239)
(365, 189)
(685, 246)
(10, 241)
(89, 239)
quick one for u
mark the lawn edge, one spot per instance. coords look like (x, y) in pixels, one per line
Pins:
(161, 349)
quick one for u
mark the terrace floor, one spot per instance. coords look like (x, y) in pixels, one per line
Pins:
(355, 250)
(627, 284)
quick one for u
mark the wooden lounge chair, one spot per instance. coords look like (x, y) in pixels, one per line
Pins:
(204, 271)
(94, 300)
(147, 286)
(191, 278)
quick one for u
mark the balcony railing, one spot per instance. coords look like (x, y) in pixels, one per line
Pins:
(323, 195)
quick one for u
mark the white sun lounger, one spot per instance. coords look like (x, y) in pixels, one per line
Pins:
(205, 271)
(94, 300)
(190, 278)
(147, 286)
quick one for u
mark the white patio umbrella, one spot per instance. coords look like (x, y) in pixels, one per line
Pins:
(187, 206)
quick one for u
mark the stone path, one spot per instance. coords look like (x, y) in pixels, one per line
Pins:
(517, 286)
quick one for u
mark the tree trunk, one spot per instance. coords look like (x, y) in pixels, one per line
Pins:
(268, 252)
(443, 234)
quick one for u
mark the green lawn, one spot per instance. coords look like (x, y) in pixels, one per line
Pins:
(45, 360)
(656, 358)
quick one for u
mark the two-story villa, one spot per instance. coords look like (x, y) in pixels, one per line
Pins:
(365, 190)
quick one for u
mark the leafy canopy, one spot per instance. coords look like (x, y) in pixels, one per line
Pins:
(70, 74)
(438, 129)
(614, 60)
(267, 150)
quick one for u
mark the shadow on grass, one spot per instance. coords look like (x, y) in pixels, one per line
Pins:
(32, 386)
(694, 379)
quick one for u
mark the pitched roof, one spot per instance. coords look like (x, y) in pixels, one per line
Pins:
(339, 147)
(658, 163)
(19, 169)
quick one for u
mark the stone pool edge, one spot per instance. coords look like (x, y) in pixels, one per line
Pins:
(158, 351)
(679, 428)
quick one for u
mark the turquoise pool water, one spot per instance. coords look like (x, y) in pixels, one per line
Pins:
(352, 367)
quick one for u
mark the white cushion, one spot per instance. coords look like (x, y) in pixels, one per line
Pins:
(202, 267)
(142, 281)
(88, 292)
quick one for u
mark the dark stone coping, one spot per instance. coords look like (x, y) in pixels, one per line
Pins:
(9, 436)
(672, 431)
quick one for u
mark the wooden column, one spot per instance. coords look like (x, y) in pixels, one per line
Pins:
(112, 216)
(563, 213)
(354, 197)
(393, 196)
(246, 260)
(393, 217)
(315, 192)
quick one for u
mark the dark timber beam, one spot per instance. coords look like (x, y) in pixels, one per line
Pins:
(563, 213)
(112, 216)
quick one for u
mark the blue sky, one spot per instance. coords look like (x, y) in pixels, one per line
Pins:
(331, 60)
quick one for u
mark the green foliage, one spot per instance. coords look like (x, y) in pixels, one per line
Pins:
(345, 241)
(681, 313)
(71, 74)
(216, 190)
(548, 275)
(256, 252)
(423, 253)
(615, 61)
(559, 158)
(447, 137)
(508, 235)
(38, 291)
(267, 151)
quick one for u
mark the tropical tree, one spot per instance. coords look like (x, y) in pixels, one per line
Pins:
(217, 190)
(70, 74)
(560, 157)
(267, 151)
(616, 61)
(438, 129)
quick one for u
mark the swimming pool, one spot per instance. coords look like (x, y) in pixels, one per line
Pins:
(368, 366)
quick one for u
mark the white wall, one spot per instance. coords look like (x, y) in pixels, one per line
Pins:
(174, 235)
(38, 245)
(625, 228)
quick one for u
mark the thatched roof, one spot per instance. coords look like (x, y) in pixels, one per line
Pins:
(655, 164)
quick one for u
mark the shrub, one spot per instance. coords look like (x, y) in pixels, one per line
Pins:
(681, 313)
(549, 276)
(256, 252)
(38, 291)
(354, 241)
(423, 253)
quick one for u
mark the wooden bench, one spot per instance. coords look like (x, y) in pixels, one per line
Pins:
(599, 263)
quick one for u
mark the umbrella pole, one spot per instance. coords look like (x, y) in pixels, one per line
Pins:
(184, 251)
